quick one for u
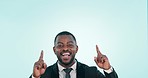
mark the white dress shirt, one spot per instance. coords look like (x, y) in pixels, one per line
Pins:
(72, 73)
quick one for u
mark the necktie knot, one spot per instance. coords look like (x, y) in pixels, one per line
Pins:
(67, 70)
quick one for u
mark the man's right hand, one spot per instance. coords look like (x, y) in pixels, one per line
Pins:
(39, 67)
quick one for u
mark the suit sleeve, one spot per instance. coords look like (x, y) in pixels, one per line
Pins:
(30, 76)
(113, 74)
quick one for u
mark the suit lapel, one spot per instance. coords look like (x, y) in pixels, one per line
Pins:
(80, 70)
(55, 73)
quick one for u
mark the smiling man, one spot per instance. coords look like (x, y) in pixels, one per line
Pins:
(65, 48)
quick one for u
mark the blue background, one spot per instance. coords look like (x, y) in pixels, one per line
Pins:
(119, 27)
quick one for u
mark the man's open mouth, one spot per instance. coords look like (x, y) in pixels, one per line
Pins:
(66, 54)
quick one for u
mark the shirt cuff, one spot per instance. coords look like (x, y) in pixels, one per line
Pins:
(33, 76)
(109, 70)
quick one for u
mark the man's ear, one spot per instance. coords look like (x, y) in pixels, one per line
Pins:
(54, 49)
(77, 48)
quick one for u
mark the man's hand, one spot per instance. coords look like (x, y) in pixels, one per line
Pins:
(39, 67)
(101, 60)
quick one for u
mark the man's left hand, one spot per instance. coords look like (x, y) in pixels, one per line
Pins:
(102, 60)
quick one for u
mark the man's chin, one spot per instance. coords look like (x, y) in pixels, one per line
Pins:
(67, 62)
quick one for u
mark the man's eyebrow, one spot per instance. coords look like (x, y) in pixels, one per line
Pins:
(67, 42)
(59, 43)
(70, 42)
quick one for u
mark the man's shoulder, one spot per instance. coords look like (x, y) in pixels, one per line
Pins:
(85, 65)
(52, 66)
(90, 71)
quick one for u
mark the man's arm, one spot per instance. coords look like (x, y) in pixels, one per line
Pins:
(103, 63)
(111, 74)
(39, 67)
(107, 74)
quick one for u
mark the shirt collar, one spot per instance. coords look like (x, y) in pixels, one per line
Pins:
(61, 67)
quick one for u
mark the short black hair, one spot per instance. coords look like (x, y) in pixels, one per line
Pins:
(64, 33)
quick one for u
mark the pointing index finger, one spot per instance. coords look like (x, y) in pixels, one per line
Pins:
(98, 51)
(41, 55)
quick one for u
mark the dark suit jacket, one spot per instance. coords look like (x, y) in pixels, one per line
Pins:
(83, 71)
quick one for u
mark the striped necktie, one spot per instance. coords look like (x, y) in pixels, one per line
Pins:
(67, 71)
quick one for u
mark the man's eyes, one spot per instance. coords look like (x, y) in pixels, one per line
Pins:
(59, 45)
(69, 45)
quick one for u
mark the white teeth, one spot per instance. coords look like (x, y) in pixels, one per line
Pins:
(66, 54)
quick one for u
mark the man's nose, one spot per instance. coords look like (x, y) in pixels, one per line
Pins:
(65, 48)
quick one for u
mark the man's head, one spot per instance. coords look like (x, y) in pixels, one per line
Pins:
(65, 48)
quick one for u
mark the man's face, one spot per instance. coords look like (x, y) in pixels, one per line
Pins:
(65, 49)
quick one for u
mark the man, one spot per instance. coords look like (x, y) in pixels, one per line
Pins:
(65, 48)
